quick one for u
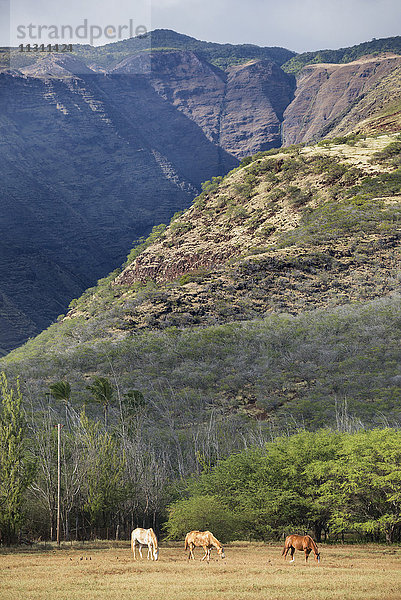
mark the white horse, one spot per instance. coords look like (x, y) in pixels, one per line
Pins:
(145, 537)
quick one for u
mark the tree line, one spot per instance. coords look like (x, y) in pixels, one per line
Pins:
(141, 462)
(327, 483)
(121, 465)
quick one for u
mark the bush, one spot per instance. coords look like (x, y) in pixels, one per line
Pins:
(201, 513)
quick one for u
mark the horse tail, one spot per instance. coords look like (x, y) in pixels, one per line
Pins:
(186, 542)
(132, 541)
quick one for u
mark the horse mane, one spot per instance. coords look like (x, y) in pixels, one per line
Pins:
(313, 544)
(154, 538)
(214, 540)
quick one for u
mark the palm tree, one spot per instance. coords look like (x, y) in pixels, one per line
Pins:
(102, 393)
(61, 390)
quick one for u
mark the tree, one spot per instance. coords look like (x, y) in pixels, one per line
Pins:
(368, 475)
(104, 468)
(16, 465)
(61, 390)
(203, 513)
(278, 488)
(102, 393)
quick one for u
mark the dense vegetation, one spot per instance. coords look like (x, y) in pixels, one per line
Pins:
(198, 427)
(326, 481)
(295, 365)
(292, 369)
(220, 55)
(240, 482)
(344, 55)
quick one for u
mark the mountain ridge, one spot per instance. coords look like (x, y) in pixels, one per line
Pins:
(136, 148)
(274, 312)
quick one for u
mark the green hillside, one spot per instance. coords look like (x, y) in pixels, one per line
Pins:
(220, 55)
(109, 55)
(274, 296)
(268, 308)
(343, 55)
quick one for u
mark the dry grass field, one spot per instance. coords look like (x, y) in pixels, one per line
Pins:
(250, 571)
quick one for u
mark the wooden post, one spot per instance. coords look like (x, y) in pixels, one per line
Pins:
(58, 481)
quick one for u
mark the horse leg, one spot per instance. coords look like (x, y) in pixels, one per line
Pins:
(285, 552)
(149, 555)
(206, 553)
(292, 554)
(191, 553)
(307, 552)
(140, 549)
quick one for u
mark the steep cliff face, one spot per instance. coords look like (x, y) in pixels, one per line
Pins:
(327, 93)
(239, 109)
(88, 164)
(256, 96)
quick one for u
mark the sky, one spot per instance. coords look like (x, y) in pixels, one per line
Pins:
(299, 25)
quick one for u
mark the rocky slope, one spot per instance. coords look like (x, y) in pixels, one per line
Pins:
(276, 294)
(332, 98)
(258, 243)
(290, 231)
(90, 162)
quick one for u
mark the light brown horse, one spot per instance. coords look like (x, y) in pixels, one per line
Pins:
(300, 542)
(206, 540)
(145, 537)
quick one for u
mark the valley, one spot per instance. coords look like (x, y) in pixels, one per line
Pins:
(102, 145)
(200, 291)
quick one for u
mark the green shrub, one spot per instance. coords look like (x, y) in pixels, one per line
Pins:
(201, 513)
(142, 243)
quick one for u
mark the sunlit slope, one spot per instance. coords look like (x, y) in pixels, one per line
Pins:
(276, 293)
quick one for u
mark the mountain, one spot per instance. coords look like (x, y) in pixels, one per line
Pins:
(89, 163)
(344, 55)
(101, 145)
(108, 56)
(275, 294)
(332, 99)
(239, 109)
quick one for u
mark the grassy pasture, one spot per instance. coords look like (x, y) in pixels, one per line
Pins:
(250, 571)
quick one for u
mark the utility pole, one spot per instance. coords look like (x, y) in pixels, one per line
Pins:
(58, 481)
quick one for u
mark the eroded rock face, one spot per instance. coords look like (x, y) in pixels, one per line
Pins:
(88, 164)
(327, 92)
(256, 96)
(240, 109)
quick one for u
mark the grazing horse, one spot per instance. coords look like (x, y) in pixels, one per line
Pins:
(300, 542)
(145, 537)
(204, 539)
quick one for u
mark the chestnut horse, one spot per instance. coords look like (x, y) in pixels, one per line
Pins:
(300, 542)
(204, 539)
(145, 537)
